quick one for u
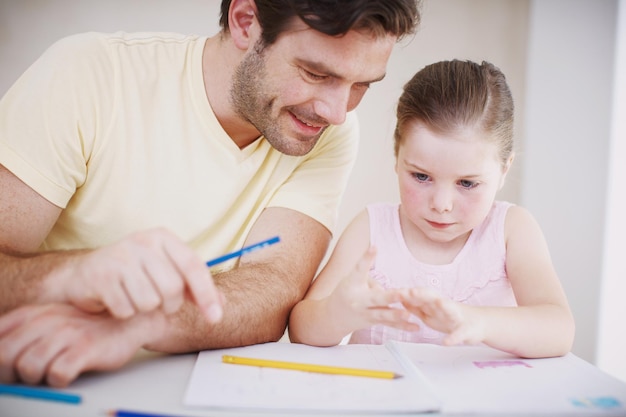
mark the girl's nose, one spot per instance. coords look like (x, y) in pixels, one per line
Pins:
(442, 200)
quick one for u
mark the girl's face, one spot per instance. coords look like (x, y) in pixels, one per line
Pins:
(448, 182)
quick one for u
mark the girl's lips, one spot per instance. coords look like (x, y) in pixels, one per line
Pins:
(439, 225)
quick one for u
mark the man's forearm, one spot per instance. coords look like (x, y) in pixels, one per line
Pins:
(23, 276)
(257, 303)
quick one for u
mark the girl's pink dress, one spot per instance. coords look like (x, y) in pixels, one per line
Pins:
(477, 276)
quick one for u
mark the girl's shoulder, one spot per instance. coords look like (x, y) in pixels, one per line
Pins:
(519, 221)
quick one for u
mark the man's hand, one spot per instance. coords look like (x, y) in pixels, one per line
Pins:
(54, 343)
(144, 272)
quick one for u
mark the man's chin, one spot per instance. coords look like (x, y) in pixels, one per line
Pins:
(295, 146)
(297, 150)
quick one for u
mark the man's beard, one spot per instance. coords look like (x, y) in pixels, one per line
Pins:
(252, 100)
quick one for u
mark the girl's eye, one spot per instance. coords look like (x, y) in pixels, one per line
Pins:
(467, 184)
(420, 177)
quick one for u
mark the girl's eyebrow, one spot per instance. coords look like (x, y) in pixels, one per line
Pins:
(417, 168)
(413, 166)
(322, 68)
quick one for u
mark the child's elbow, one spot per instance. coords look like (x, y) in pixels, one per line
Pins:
(569, 333)
(564, 338)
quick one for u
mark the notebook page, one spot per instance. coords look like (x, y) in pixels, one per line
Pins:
(214, 384)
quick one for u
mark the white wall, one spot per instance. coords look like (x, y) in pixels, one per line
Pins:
(611, 334)
(566, 148)
(493, 30)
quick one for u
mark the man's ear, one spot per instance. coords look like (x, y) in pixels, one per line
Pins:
(242, 23)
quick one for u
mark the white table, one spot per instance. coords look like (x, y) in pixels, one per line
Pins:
(150, 383)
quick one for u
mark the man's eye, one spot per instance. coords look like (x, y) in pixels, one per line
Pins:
(468, 184)
(313, 76)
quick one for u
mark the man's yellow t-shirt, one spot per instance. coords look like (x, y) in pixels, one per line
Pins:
(117, 130)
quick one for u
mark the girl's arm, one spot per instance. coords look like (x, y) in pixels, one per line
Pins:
(541, 326)
(343, 298)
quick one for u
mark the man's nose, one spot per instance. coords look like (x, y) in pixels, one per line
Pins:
(332, 105)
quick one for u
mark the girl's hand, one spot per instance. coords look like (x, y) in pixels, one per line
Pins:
(461, 322)
(358, 301)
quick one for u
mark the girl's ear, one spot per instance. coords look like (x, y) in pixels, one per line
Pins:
(505, 169)
(242, 23)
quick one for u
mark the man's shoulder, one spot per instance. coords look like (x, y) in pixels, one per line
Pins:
(90, 42)
(146, 38)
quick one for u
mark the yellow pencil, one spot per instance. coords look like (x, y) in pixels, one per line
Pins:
(238, 360)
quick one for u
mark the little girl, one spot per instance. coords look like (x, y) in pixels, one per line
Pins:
(449, 264)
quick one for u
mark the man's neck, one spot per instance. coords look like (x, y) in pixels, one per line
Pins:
(219, 60)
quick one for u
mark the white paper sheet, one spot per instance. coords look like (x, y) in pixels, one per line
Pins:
(462, 380)
(214, 384)
(472, 379)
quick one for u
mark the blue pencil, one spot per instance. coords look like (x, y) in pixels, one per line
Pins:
(126, 413)
(39, 393)
(243, 251)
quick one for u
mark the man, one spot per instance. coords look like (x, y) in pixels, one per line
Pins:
(127, 160)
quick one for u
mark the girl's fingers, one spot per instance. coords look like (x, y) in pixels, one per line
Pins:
(393, 317)
(381, 297)
(363, 266)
